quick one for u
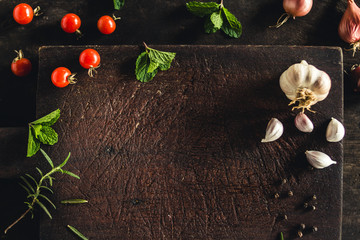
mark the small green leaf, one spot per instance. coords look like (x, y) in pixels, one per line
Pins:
(31, 177)
(37, 129)
(79, 234)
(209, 25)
(40, 172)
(28, 184)
(65, 161)
(44, 208)
(49, 119)
(47, 199)
(202, 9)
(26, 189)
(50, 180)
(164, 67)
(47, 158)
(33, 144)
(48, 136)
(73, 201)
(141, 68)
(118, 4)
(231, 25)
(281, 236)
(161, 57)
(71, 174)
(216, 19)
(49, 189)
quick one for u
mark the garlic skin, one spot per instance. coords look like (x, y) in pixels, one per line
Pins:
(303, 123)
(297, 8)
(274, 130)
(318, 159)
(305, 84)
(335, 131)
(349, 27)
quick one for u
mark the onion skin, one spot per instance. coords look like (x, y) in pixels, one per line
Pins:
(349, 27)
(297, 8)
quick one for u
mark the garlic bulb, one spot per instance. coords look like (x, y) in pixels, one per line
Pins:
(335, 131)
(274, 130)
(303, 123)
(319, 159)
(305, 84)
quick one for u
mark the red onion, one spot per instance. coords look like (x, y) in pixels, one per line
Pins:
(294, 8)
(349, 27)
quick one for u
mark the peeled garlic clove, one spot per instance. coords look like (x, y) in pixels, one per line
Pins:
(274, 130)
(335, 131)
(303, 123)
(319, 159)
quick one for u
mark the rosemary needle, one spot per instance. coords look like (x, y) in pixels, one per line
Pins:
(74, 201)
(79, 234)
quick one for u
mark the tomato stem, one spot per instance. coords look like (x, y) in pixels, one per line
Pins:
(115, 17)
(37, 11)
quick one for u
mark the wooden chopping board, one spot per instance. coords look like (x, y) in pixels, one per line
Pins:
(180, 157)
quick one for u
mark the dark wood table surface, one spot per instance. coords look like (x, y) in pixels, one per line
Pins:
(159, 22)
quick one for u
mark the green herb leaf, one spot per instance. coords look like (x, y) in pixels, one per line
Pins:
(216, 19)
(33, 179)
(231, 25)
(28, 184)
(36, 129)
(160, 57)
(74, 201)
(71, 174)
(202, 9)
(26, 189)
(33, 144)
(47, 158)
(44, 208)
(45, 187)
(79, 234)
(118, 4)
(40, 172)
(152, 66)
(281, 236)
(48, 136)
(65, 161)
(164, 67)
(209, 25)
(47, 199)
(49, 119)
(141, 68)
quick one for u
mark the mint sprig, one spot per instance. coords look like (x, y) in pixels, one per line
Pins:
(150, 62)
(41, 132)
(216, 17)
(118, 4)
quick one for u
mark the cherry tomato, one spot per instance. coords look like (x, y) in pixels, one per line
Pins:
(106, 24)
(89, 58)
(23, 13)
(21, 66)
(61, 77)
(70, 23)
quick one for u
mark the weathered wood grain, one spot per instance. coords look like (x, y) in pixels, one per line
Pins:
(180, 157)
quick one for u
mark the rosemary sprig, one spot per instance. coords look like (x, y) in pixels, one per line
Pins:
(34, 188)
(74, 201)
(79, 234)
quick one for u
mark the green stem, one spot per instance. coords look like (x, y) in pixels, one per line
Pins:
(221, 4)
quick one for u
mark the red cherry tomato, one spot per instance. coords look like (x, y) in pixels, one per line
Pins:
(106, 25)
(23, 13)
(21, 66)
(61, 77)
(70, 23)
(89, 58)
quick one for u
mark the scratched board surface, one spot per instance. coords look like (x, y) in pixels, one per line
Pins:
(180, 157)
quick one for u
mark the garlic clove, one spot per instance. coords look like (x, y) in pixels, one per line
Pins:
(318, 159)
(274, 130)
(335, 131)
(303, 123)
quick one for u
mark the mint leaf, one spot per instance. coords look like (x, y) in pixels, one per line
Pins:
(37, 129)
(231, 25)
(49, 119)
(216, 19)
(48, 136)
(164, 67)
(118, 4)
(209, 25)
(141, 68)
(33, 144)
(152, 66)
(160, 57)
(202, 9)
